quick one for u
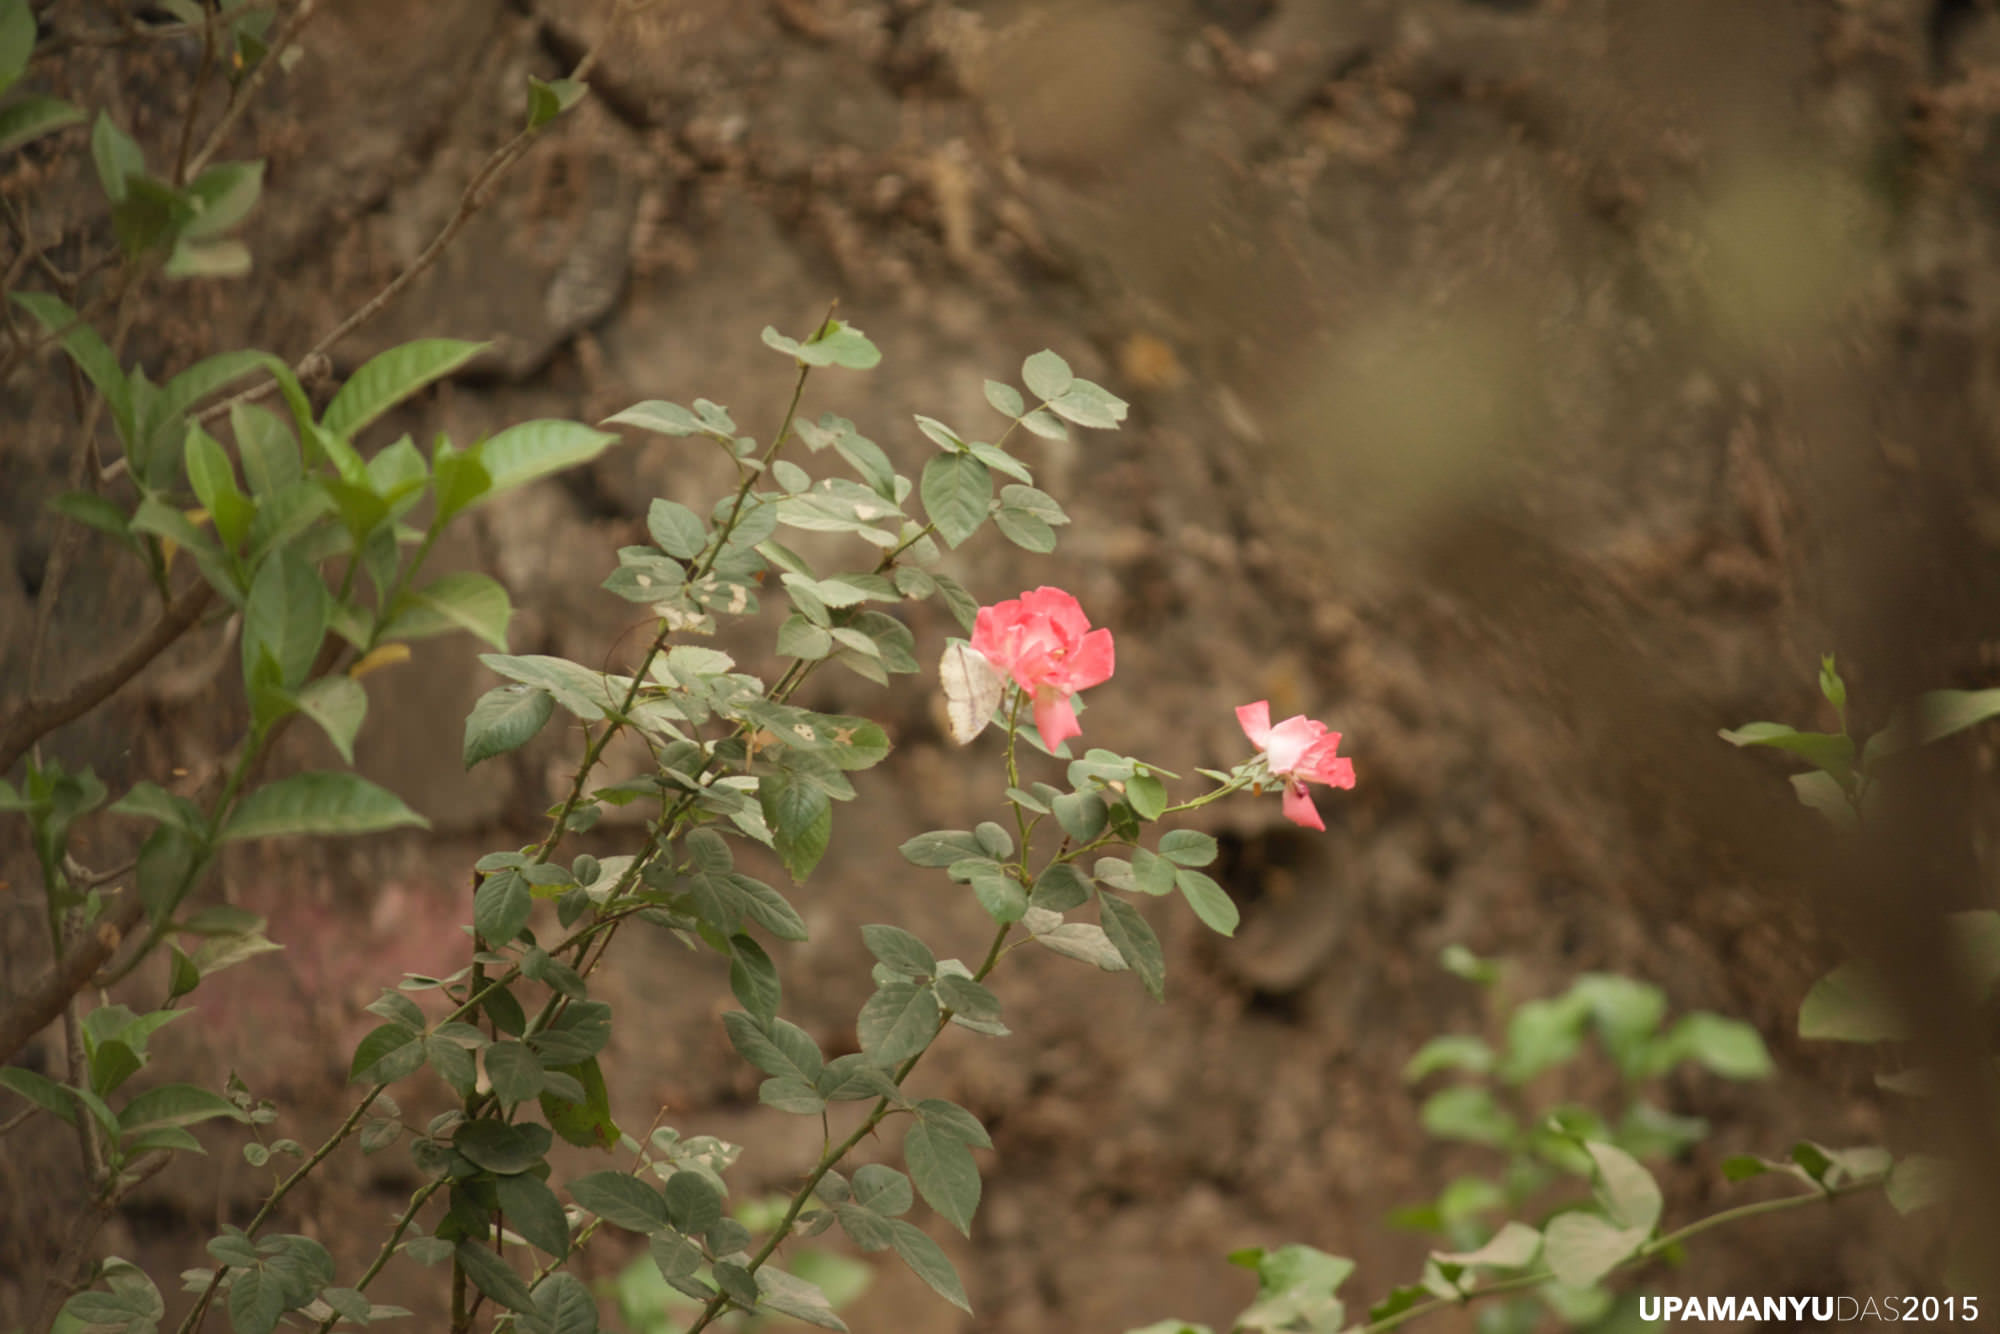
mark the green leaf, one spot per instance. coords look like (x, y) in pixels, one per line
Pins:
(514, 1072)
(549, 99)
(942, 1167)
(321, 804)
(1082, 815)
(284, 617)
(1943, 713)
(956, 491)
(1211, 903)
(501, 1148)
(900, 950)
(459, 479)
(1627, 1190)
(659, 417)
(174, 1105)
(38, 1089)
(1456, 1051)
(117, 156)
(586, 1123)
(1187, 847)
(338, 704)
(1467, 1112)
(1919, 1180)
(785, 1294)
(494, 1277)
(1059, 888)
(1850, 1004)
(256, 1300)
(501, 906)
(1135, 942)
(1729, 1047)
(1515, 1246)
(28, 119)
(270, 453)
(92, 356)
(223, 196)
(533, 1210)
(466, 601)
(1046, 375)
(801, 819)
(520, 454)
(898, 1021)
(693, 1204)
(388, 378)
(1581, 1248)
(504, 720)
(566, 1305)
(1830, 751)
(753, 978)
(1005, 398)
(1091, 405)
(214, 482)
(941, 847)
(675, 529)
(94, 511)
(207, 259)
(927, 1262)
(389, 1053)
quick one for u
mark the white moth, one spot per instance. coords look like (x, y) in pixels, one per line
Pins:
(972, 687)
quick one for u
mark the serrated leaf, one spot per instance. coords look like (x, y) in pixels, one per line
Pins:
(1046, 375)
(790, 1295)
(501, 906)
(504, 720)
(1211, 903)
(675, 529)
(1135, 942)
(927, 1262)
(621, 1200)
(494, 1277)
(900, 950)
(944, 1172)
(898, 1021)
(533, 1210)
(956, 490)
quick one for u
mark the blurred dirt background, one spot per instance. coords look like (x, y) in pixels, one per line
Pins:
(1527, 388)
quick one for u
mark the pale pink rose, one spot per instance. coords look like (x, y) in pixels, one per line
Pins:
(1044, 642)
(1299, 751)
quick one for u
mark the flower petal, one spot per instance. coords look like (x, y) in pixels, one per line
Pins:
(1061, 610)
(1092, 662)
(1290, 740)
(1299, 808)
(1255, 719)
(1055, 718)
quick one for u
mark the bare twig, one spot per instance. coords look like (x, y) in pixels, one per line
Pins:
(44, 1001)
(32, 719)
(62, 1279)
(241, 97)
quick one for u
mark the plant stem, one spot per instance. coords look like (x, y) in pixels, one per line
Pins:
(1650, 1251)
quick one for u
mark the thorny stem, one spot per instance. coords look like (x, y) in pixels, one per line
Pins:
(382, 1257)
(829, 1158)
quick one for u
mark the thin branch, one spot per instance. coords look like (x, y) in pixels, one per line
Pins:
(83, 1231)
(32, 719)
(43, 1003)
(241, 97)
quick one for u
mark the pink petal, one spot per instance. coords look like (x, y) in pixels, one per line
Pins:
(1321, 764)
(1060, 609)
(1055, 719)
(1092, 662)
(1299, 808)
(1290, 740)
(1255, 720)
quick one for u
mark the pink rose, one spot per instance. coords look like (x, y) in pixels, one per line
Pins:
(1044, 641)
(1299, 751)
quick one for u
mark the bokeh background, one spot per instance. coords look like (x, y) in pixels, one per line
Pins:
(1528, 388)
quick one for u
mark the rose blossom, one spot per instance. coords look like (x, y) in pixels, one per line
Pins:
(1299, 751)
(1044, 641)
